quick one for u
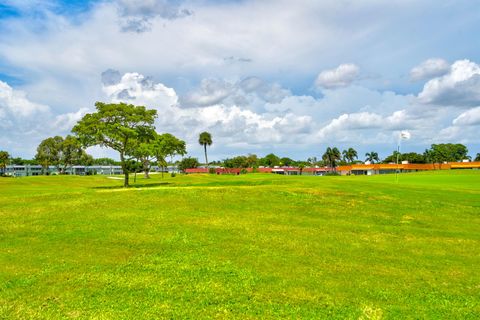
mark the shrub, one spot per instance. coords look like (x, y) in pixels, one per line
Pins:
(332, 173)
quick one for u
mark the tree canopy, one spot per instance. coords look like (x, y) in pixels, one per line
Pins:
(349, 155)
(270, 160)
(411, 157)
(118, 126)
(331, 156)
(372, 157)
(61, 153)
(446, 152)
(188, 163)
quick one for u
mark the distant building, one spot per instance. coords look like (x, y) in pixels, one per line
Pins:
(35, 170)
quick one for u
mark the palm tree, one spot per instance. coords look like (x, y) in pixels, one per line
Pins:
(349, 155)
(477, 158)
(205, 139)
(4, 158)
(372, 157)
(331, 156)
(301, 166)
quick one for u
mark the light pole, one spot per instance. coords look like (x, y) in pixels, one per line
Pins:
(404, 135)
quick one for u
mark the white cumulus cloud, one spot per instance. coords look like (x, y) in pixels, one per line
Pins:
(468, 118)
(16, 103)
(212, 107)
(342, 76)
(431, 68)
(459, 87)
(66, 121)
(24, 123)
(139, 90)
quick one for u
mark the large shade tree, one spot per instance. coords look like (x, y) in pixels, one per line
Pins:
(205, 139)
(61, 153)
(157, 148)
(71, 152)
(49, 152)
(118, 126)
(446, 152)
(188, 163)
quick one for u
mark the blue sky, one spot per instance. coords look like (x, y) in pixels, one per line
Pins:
(261, 76)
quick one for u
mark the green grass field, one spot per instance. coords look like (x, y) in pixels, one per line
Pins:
(250, 246)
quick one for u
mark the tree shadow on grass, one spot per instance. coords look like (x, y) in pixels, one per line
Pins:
(133, 186)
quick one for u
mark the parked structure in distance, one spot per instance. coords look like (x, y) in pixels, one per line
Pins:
(36, 170)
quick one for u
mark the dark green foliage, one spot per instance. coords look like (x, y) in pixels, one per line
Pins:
(285, 161)
(188, 163)
(332, 173)
(105, 162)
(249, 161)
(270, 160)
(62, 153)
(48, 152)
(158, 147)
(236, 162)
(4, 159)
(372, 157)
(446, 152)
(349, 155)
(331, 157)
(411, 157)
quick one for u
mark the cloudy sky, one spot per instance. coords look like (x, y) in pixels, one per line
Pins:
(289, 77)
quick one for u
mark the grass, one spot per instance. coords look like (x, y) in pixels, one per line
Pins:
(250, 246)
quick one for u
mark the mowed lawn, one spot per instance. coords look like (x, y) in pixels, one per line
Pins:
(250, 246)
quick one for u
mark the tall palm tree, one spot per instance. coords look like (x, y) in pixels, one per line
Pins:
(372, 157)
(349, 155)
(345, 155)
(205, 139)
(331, 156)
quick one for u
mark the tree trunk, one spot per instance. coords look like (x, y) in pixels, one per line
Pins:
(146, 169)
(206, 159)
(125, 170)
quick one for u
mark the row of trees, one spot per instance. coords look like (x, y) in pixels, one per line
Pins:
(61, 152)
(64, 152)
(332, 157)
